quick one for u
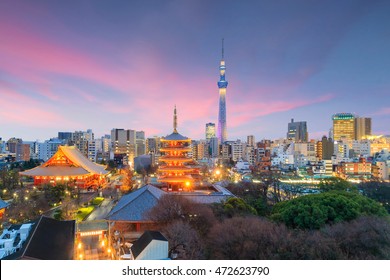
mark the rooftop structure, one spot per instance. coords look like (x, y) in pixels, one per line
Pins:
(12, 239)
(152, 245)
(134, 206)
(46, 239)
(68, 164)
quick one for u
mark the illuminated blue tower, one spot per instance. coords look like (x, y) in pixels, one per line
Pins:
(222, 85)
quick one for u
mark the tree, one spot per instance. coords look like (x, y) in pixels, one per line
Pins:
(54, 194)
(363, 238)
(173, 208)
(9, 179)
(253, 194)
(335, 184)
(184, 240)
(245, 238)
(316, 210)
(127, 181)
(235, 206)
(378, 191)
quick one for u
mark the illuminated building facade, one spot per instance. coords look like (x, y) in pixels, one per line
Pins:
(222, 85)
(124, 145)
(210, 131)
(173, 169)
(69, 166)
(343, 126)
(362, 127)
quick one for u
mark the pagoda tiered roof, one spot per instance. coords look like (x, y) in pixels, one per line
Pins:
(175, 136)
(174, 158)
(176, 179)
(167, 168)
(175, 149)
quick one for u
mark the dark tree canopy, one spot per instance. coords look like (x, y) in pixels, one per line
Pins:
(235, 206)
(335, 184)
(173, 208)
(316, 210)
(245, 238)
(378, 191)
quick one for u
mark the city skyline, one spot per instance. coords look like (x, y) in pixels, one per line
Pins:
(68, 66)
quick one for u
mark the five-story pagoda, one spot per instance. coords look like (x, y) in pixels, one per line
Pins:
(173, 170)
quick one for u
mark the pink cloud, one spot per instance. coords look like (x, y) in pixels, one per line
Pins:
(246, 112)
(382, 111)
(22, 110)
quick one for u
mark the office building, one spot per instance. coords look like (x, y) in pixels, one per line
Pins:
(343, 126)
(210, 131)
(297, 131)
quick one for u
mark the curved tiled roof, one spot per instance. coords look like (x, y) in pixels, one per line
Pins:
(82, 165)
(175, 137)
(55, 171)
(3, 204)
(133, 206)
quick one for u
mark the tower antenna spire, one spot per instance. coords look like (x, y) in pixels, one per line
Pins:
(174, 121)
(223, 49)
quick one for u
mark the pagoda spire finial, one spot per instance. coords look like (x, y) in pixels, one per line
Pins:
(174, 121)
(223, 49)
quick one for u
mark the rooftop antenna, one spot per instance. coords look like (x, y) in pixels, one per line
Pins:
(174, 121)
(223, 50)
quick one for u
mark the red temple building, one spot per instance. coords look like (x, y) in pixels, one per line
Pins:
(68, 165)
(174, 170)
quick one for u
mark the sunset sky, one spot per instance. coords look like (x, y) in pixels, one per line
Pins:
(73, 65)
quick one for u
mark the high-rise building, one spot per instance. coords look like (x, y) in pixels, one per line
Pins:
(237, 150)
(210, 131)
(20, 149)
(362, 127)
(140, 141)
(2, 146)
(251, 140)
(153, 145)
(202, 150)
(327, 148)
(124, 143)
(34, 150)
(48, 148)
(67, 136)
(82, 140)
(297, 131)
(343, 126)
(106, 143)
(222, 85)
(214, 147)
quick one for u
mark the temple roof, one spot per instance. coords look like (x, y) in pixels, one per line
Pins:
(3, 204)
(80, 165)
(175, 136)
(55, 171)
(134, 206)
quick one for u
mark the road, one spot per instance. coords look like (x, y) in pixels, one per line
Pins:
(101, 212)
